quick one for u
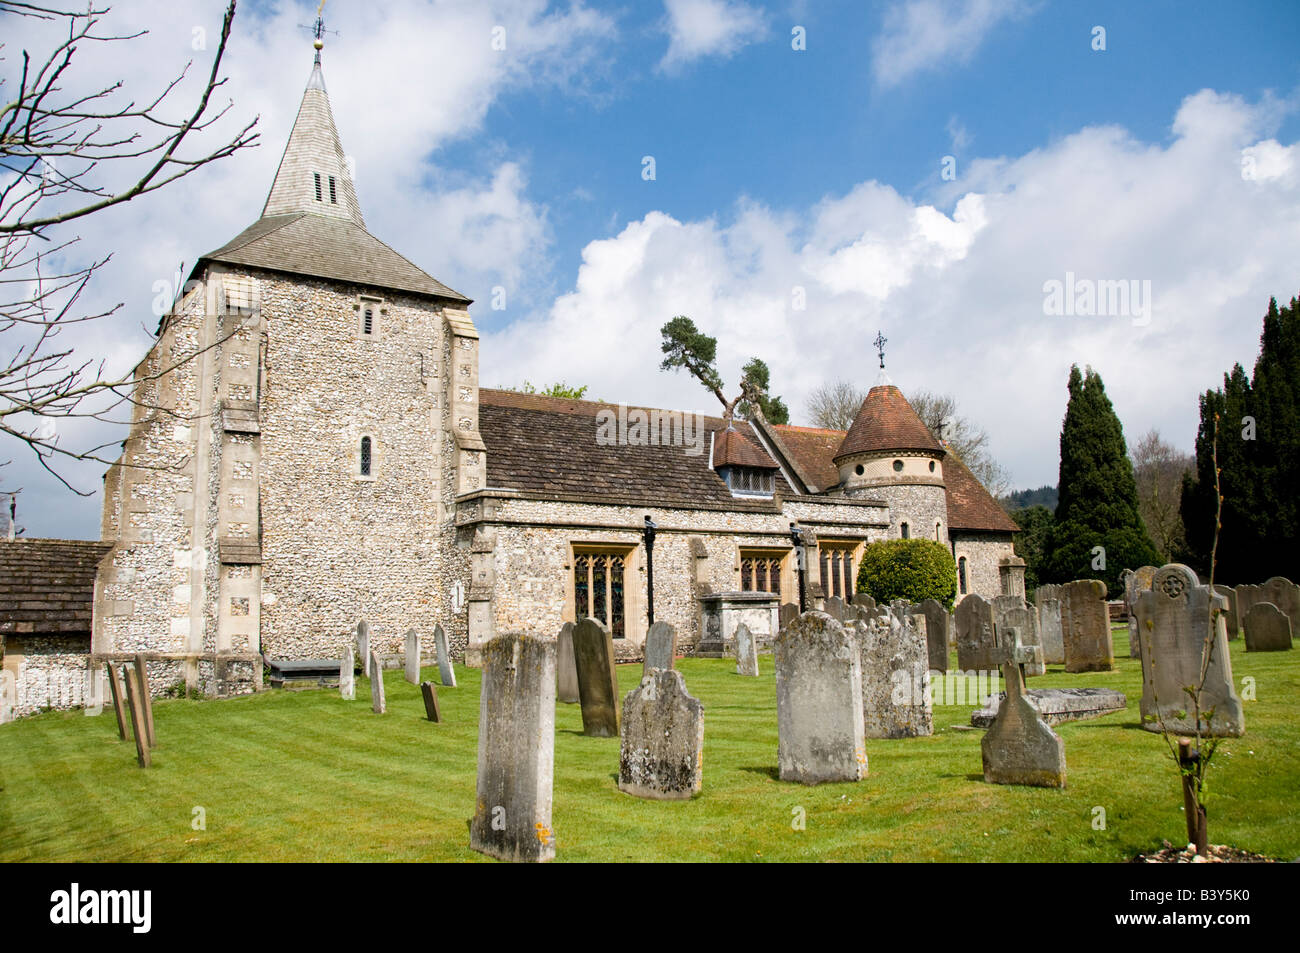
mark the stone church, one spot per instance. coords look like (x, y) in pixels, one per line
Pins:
(312, 447)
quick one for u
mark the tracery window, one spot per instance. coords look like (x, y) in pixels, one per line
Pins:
(838, 576)
(760, 571)
(598, 589)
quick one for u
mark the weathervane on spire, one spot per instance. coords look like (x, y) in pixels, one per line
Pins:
(318, 30)
(879, 342)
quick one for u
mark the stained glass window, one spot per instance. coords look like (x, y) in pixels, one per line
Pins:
(598, 590)
(760, 572)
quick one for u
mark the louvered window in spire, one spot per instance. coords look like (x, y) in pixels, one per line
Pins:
(317, 176)
(333, 197)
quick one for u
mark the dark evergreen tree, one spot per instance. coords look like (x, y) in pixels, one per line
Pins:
(1097, 503)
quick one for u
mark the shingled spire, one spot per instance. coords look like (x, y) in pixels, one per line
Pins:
(313, 175)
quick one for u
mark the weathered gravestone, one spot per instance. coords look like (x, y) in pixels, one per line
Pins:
(1230, 617)
(376, 686)
(660, 647)
(347, 676)
(662, 743)
(895, 667)
(864, 599)
(1135, 581)
(819, 702)
(146, 699)
(834, 608)
(593, 655)
(1085, 627)
(937, 621)
(136, 706)
(446, 673)
(431, 710)
(566, 669)
(787, 614)
(1021, 748)
(976, 636)
(1267, 629)
(1048, 601)
(412, 657)
(363, 646)
(1279, 591)
(1012, 612)
(1057, 705)
(516, 750)
(119, 699)
(1176, 632)
(746, 651)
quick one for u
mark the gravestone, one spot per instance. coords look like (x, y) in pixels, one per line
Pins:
(516, 750)
(937, 622)
(363, 646)
(1279, 590)
(376, 686)
(566, 669)
(1057, 705)
(835, 608)
(146, 699)
(1048, 600)
(819, 702)
(1267, 629)
(746, 651)
(430, 694)
(788, 613)
(662, 744)
(1020, 747)
(1085, 627)
(412, 657)
(1135, 581)
(1230, 616)
(593, 655)
(660, 647)
(1013, 612)
(347, 676)
(446, 673)
(138, 728)
(895, 668)
(864, 599)
(119, 699)
(976, 635)
(1174, 624)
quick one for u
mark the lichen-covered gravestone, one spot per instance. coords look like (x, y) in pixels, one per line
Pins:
(1085, 627)
(937, 622)
(818, 702)
(1279, 590)
(660, 647)
(1012, 612)
(566, 669)
(446, 673)
(787, 614)
(411, 659)
(1048, 601)
(1267, 629)
(864, 599)
(1175, 628)
(976, 636)
(1020, 747)
(363, 646)
(376, 685)
(746, 651)
(593, 655)
(895, 676)
(347, 676)
(516, 750)
(662, 743)
(1136, 581)
(1230, 616)
(834, 608)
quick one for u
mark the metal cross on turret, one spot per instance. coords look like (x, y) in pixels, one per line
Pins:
(879, 342)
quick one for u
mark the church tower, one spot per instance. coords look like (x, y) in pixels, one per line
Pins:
(309, 414)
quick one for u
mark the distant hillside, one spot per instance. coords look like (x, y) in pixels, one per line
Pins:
(1019, 499)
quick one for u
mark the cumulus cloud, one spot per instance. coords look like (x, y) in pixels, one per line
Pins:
(920, 35)
(700, 28)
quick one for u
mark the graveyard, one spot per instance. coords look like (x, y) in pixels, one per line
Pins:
(309, 776)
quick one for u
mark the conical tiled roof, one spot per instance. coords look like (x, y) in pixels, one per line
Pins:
(886, 421)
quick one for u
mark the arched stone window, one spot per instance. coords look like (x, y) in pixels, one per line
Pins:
(904, 531)
(961, 574)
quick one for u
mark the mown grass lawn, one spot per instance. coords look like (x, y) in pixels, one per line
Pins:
(305, 776)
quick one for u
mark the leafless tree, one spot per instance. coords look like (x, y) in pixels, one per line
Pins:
(962, 436)
(834, 404)
(1158, 468)
(65, 156)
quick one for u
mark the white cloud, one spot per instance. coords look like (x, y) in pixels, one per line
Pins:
(920, 35)
(700, 28)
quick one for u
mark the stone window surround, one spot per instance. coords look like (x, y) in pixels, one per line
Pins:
(374, 457)
(634, 581)
(784, 554)
(378, 311)
(854, 548)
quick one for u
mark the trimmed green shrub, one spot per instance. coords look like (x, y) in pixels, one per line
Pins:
(911, 569)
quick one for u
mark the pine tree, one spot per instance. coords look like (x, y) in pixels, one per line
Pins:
(1098, 504)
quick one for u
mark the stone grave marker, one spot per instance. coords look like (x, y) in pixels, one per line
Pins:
(363, 646)
(411, 657)
(787, 614)
(430, 694)
(119, 700)
(1174, 624)
(1048, 601)
(1267, 629)
(376, 686)
(662, 744)
(937, 621)
(660, 647)
(895, 676)
(347, 676)
(1057, 705)
(138, 726)
(593, 655)
(865, 600)
(1085, 627)
(146, 698)
(835, 608)
(1230, 616)
(746, 651)
(566, 668)
(1134, 582)
(446, 673)
(1020, 747)
(819, 702)
(1279, 590)
(516, 750)
(1012, 611)
(976, 636)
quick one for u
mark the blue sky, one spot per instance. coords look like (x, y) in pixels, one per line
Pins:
(775, 169)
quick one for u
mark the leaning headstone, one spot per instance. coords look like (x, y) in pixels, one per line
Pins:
(146, 699)
(347, 676)
(1267, 629)
(1279, 590)
(363, 646)
(1230, 616)
(835, 608)
(976, 635)
(446, 673)
(138, 727)
(376, 686)
(412, 657)
(660, 647)
(818, 702)
(1175, 628)
(430, 694)
(746, 651)
(593, 655)
(1012, 612)
(895, 667)
(566, 668)
(1021, 748)
(516, 750)
(662, 748)
(937, 621)
(1085, 627)
(119, 701)
(787, 614)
